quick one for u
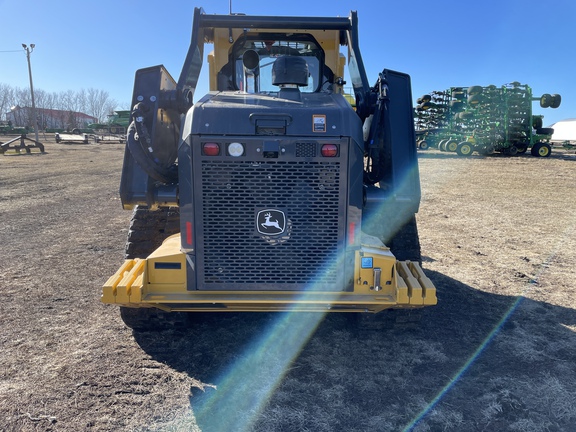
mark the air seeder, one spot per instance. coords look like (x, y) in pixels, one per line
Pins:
(271, 192)
(485, 119)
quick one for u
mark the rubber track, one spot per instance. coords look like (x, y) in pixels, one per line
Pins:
(148, 229)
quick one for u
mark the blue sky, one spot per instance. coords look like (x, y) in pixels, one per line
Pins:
(440, 44)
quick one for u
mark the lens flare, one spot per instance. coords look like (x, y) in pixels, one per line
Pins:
(490, 337)
(245, 388)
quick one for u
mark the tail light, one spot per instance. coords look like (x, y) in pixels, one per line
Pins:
(211, 149)
(329, 150)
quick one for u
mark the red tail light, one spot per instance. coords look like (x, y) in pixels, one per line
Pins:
(211, 149)
(329, 150)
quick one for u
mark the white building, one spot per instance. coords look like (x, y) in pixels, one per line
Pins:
(564, 130)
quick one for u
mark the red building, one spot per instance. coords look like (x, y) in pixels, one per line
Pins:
(49, 118)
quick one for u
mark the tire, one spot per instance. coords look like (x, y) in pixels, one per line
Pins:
(441, 145)
(426, 105)
(545, 131)
(556, 101)
(536, 122)
(451, 146)
(512, 150)
(474, 90)
(522, 148)
(423, 145)
(541, 150)
(545, 100)
(148, 229)
(486, 150)
(464, 149)
(474, 99)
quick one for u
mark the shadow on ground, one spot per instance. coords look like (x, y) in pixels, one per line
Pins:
(476, 361)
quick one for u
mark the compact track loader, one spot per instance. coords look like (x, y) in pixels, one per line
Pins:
(272, 192)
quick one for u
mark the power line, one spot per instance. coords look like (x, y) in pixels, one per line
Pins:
(11, 51)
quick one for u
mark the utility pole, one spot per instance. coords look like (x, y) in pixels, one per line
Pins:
(28, 51)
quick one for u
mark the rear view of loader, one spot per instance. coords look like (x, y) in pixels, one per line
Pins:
(271, 192)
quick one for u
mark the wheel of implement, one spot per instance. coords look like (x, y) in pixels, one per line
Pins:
(474, 99)
(464, 149)
(541, 150)
(451, 146)
(545, 100)
(486, 150)
(426, 105)
(545, 131)
(148, 229)
(522, 148)
(441, 145)
(512, 150)
(474, 90)
(423, 145)
(556, 100)
(536, 122)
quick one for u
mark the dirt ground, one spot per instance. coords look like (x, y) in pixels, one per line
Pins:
(497, 353)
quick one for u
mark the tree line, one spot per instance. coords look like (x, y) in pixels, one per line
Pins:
(94, 102)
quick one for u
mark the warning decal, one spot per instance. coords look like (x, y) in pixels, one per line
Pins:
(318, 123)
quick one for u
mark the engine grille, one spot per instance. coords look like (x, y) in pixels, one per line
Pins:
(234, 255)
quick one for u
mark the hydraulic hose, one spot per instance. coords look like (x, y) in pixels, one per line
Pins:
(145, 158)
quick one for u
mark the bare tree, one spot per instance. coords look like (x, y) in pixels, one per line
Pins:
(6, 99)
(69, 101)
(82, 99)
(22, 98)
(99, 104)
(96, 103)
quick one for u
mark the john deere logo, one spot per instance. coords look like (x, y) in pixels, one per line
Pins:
(271, 222)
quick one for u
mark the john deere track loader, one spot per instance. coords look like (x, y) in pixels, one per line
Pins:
(271, 192)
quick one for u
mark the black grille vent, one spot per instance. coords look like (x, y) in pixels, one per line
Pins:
(306, 149)
(234, 253)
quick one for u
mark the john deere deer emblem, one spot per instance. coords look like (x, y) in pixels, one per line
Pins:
(271, 222)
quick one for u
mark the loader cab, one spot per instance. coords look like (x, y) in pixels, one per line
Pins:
(255, 61)
(247, 61)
